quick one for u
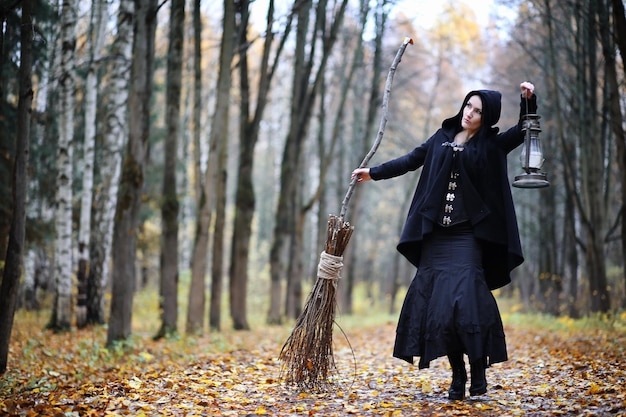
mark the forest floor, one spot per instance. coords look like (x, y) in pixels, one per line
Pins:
(560, 369)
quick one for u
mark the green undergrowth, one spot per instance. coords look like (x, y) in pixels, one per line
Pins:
(595, 322)
(369, 309)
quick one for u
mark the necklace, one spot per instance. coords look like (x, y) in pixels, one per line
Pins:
(462, 137)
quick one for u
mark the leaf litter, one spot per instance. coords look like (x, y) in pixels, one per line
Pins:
(235, 373)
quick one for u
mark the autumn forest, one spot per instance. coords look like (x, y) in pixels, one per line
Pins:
(168, 168)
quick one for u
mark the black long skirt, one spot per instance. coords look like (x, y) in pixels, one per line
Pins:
(449, 307)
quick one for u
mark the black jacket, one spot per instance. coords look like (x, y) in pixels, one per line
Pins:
(486, 189)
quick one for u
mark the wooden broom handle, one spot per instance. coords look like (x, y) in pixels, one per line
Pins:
(381, 127)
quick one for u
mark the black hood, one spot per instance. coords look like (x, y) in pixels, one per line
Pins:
(491, 111)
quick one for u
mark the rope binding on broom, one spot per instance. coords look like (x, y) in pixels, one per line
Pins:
(329, 266)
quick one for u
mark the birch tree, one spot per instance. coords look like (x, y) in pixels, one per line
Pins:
(95, 40)
(113, 138)
(61, 319)
(13, 261)
(169, 203)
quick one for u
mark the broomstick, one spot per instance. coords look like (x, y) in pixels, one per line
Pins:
(308, 352)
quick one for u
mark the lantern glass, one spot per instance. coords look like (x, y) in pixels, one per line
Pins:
(531, 157)
(535, 160)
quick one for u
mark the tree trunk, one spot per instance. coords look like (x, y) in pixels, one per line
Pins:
(285, 212)
(129, 196)
(549, 288)
(219, 145)
(95, 41)
(219, 130)
(373, 106)
(197, 97)
(293, 301)
(61, 319)
(550, 282)
(196, 299)
(195, 325)
(569, 252)
(29, 288)
(114, 140)
(616, 117)
(170, 205)
(9, 41)
(619, 24)
(592, 168)
(244, 194)
(217, 266)
(13, 261)
(249, 134)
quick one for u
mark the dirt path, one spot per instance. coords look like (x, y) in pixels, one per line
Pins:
(548, 374)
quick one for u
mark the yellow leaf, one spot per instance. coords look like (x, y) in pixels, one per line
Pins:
(594, 388)
(368, 406)
(134, 383)
(260, 410)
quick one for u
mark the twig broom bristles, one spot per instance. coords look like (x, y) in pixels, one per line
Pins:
(308, 352)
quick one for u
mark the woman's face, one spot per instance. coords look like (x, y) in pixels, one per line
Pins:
(472, 114)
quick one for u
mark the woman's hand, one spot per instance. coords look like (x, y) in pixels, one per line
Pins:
(528, 89)
(362, 174)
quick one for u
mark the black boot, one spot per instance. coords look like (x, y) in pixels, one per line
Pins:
(459, 376)
(478, 386)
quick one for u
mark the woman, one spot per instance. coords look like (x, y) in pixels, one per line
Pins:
(461, 233)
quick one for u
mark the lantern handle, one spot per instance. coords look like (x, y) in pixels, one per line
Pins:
(527, 137)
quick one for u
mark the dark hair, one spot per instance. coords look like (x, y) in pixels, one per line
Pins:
(491, 101)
